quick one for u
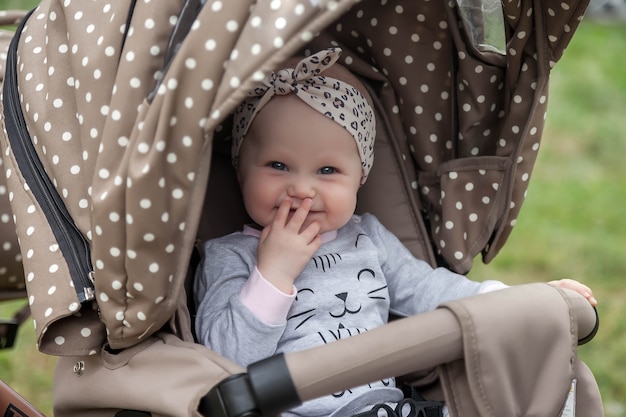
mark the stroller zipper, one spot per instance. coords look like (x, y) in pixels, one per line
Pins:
(73, 245)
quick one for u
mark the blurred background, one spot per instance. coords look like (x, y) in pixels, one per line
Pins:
(607, 9)
(572, 224)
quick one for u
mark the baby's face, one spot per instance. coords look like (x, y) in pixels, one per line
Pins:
(293, 151)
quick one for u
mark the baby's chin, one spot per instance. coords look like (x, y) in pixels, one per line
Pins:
(324, 226)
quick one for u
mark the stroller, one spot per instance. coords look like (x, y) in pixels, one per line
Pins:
(117, 158)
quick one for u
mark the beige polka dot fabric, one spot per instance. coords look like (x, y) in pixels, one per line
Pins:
(124, 111)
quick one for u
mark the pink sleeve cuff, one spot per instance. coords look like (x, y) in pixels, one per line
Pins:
(267, 302)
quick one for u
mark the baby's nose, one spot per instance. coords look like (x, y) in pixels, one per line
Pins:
(301, 188)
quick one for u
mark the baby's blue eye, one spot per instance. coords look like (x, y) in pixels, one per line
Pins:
(327, 170)
(278, 165)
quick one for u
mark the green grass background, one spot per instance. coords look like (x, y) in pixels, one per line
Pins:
(571, 225)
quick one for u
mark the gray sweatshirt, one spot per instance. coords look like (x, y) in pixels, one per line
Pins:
(350, 285)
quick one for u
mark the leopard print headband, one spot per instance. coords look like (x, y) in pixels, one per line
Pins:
(338, 100)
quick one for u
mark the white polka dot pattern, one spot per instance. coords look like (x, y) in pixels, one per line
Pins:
(472, 121)
(127, 142)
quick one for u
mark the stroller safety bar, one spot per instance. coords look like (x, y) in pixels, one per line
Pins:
(401, 347)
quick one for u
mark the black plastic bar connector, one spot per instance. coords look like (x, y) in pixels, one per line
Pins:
(266, 390)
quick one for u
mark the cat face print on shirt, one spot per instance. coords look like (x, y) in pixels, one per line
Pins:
(339, 295)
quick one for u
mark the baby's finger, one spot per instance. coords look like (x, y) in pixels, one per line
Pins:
(579, 287)
(266, 231)
(311, 232)
(588, 294)
(299, 216)
(282, 214)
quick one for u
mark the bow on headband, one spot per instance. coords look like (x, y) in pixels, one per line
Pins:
(335, 99)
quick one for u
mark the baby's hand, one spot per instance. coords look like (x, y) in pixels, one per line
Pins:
(582, 289)
(284, 249)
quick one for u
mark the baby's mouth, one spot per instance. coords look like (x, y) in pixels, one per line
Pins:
(308, 215)
(311, 211)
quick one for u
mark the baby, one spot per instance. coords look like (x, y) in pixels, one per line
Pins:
(310, 271)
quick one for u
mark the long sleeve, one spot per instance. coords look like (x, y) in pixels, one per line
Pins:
(265, 301)
(414, 286)
(223, 322)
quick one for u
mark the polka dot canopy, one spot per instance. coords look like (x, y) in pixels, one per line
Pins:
(125, 123)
